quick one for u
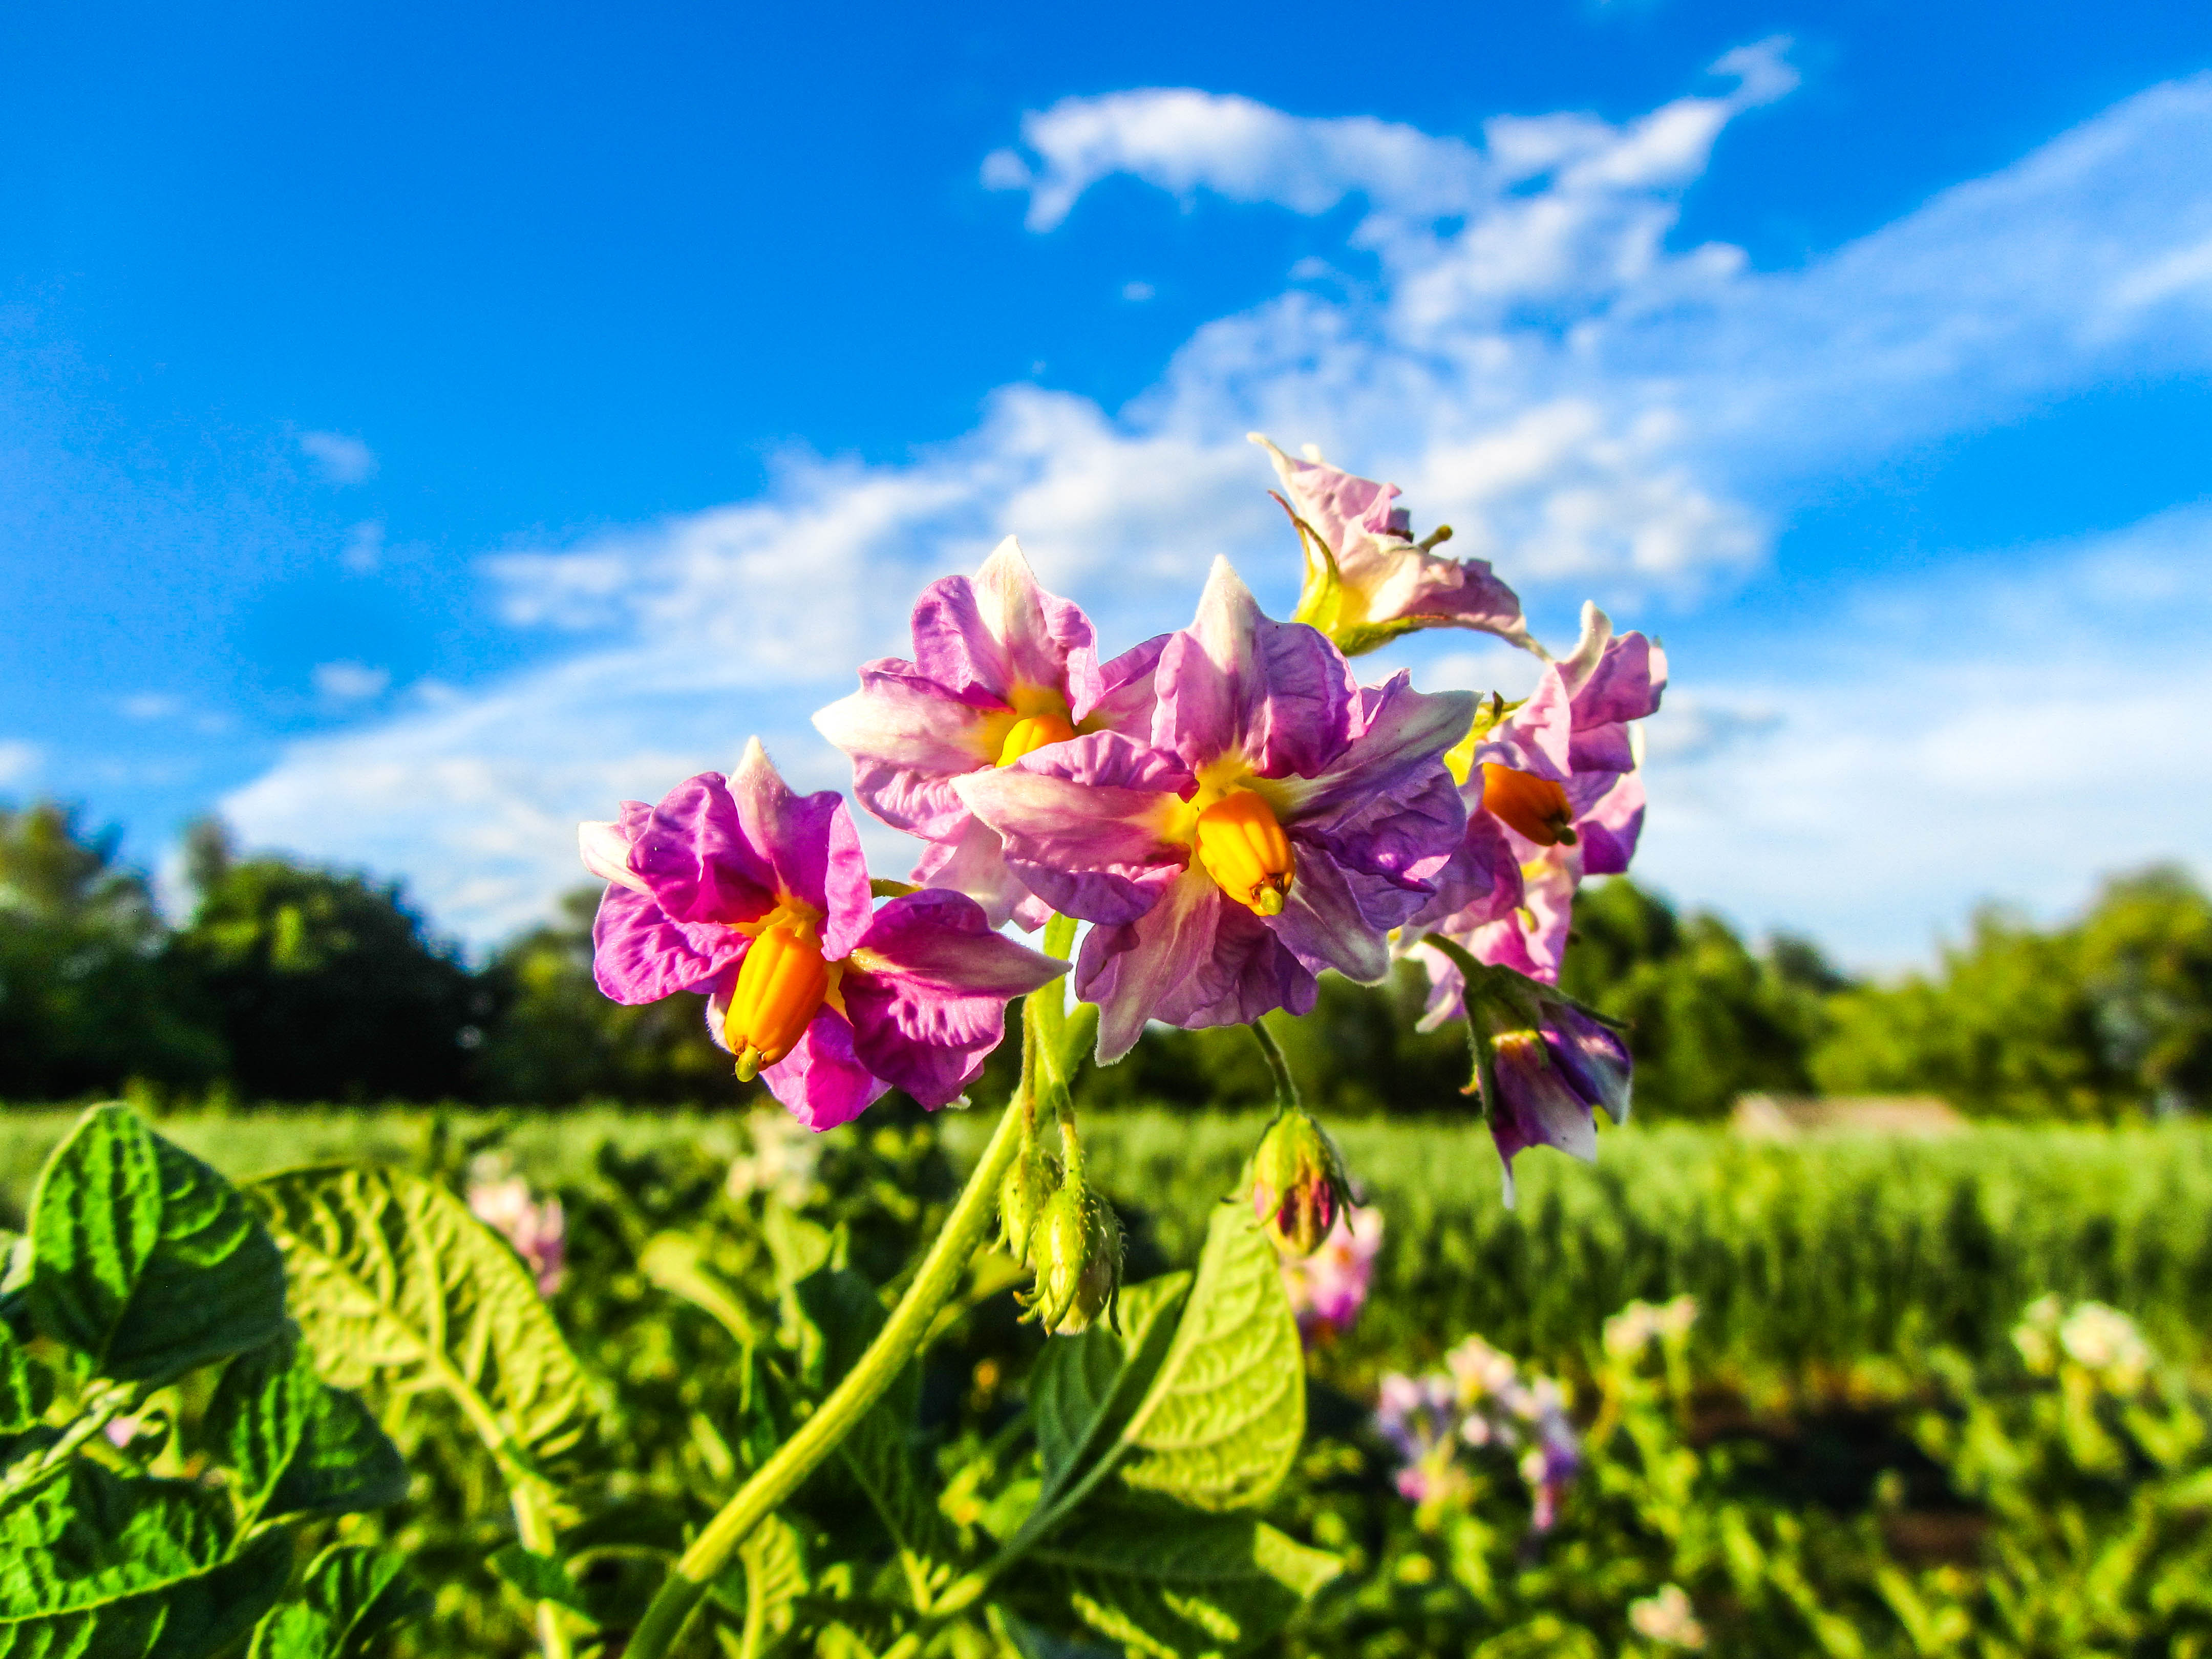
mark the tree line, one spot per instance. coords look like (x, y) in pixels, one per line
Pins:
(290, 982)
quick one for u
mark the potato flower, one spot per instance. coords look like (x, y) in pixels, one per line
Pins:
(1001, 670)
(760, 898)
(1281, 820)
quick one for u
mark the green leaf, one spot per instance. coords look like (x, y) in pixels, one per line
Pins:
(882, 1454)
(1085, 1387)
(392, 1280)
(25, 1387)
(841, 1314)
(297, 1445)
(539, 1577)
(773, 1570)
(145, 1258)
(99, 1563)
(1171, 1584)
(353, 1596)
(1221, 1422)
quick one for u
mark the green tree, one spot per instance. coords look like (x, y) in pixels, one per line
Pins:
(84, 1003)
(553, 1039)
(323, 984)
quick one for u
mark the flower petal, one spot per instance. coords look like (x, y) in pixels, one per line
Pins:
(820, 1082)
(1401, 736)
(1234, 681)
(811, 845)
(1002, 633)
(928, 991)
(1626, 685)
(1538, 737)
(640, 955)
(1610, 825)
(1193, 959)
(909, 738)
(605, 851)
(1322, 922)
(1125, 695)
(693, 855)
(973, 861)
(1082, 823)
(1479, 884)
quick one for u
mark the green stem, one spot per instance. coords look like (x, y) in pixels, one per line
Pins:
(820, 1435)
(1473, 975)
(1286, 1086)
(533, 1526)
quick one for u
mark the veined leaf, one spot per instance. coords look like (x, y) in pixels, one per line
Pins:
(1222, 1420)
(1085, 1387)
(1166, 1583)
(393, 1281)
(145, 1258)
(774, 1563)
(297, 1445)
(539, 1578)
(353, 1596)
(24, 1388)
(92, 1562)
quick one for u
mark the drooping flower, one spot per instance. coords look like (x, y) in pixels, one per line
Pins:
(1280, 821)
(1001, 670)
(760, 898)
(1368, 580)
(1299, 1189)
(501, 1198)
(1328, 1289)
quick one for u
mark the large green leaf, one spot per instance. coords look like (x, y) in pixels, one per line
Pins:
(353, 1596)
(145, 1258)
(1085, 1387)
(95, 1562)
(1167, 1583)
(1222, 1417)
(296, 1445)
(24, 1388)
(394, 1282)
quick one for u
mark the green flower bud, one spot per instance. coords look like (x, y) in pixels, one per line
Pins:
(1299, 1185)
(1076, 1249)
(1028, 1185)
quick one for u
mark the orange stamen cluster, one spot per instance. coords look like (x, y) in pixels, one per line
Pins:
(781, 983)
(1535, 806)
(1032, 732)
(1244, 849)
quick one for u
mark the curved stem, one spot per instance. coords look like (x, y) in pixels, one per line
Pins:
(1286, 1086)
(819, 1436)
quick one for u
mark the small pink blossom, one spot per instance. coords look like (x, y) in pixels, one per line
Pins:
(1327, 1288)
(539, 1231)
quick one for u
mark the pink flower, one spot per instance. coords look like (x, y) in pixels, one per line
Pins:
(1367, 580)
(538, 1231)
(1327, 1288)
(1001, 670)
(760, 898)
(1280, 821)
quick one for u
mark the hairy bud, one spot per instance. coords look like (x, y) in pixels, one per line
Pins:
(1298, 1183)
(1023, 1191)
(1076, 1249)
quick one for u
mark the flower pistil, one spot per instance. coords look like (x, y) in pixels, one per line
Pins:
(1535, 806)
(781, 984)
(1242, 845)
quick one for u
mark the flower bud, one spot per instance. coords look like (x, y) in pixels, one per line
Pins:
(1549, 1065)
(1076, 1249)
(1023, 1191)
(1298, 1183)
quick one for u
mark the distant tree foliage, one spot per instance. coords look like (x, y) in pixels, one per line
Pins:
(289, 982)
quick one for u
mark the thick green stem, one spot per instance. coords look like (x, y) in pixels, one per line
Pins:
(1286, 1086)
(820, 1435)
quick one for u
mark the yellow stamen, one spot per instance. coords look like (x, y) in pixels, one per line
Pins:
(781, 983)
(1535, 806)
(1031, 732)
(1243, 848)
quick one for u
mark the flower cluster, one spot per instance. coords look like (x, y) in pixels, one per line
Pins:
(2102, 1341)
(1632, 1331)
(501, 1198)
(1327, 1288)
(1482, 1404)
(1227, 808)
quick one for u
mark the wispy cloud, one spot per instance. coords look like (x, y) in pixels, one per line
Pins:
(350, 682)
(1592, 408)
(341, 459)
(19, 762)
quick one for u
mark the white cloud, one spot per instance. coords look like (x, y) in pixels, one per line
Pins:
(1590, 408)
(341, 459)
(350, 682)
(1136, 293)
(19, 761)
(364, 547)
(151, 706)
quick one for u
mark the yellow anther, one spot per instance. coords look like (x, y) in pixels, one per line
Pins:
(1535, 806)
(1244, 849)
(1031, 732)
(781, 983)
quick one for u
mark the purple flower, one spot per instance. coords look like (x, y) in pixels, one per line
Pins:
(501, 1200)
(1367, 580)
(1001, 669)
(1420, 1418)
(760, 898)
(1280, 821)
(1327, 1288)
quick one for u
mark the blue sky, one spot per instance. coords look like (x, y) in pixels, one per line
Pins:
(419, 428)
